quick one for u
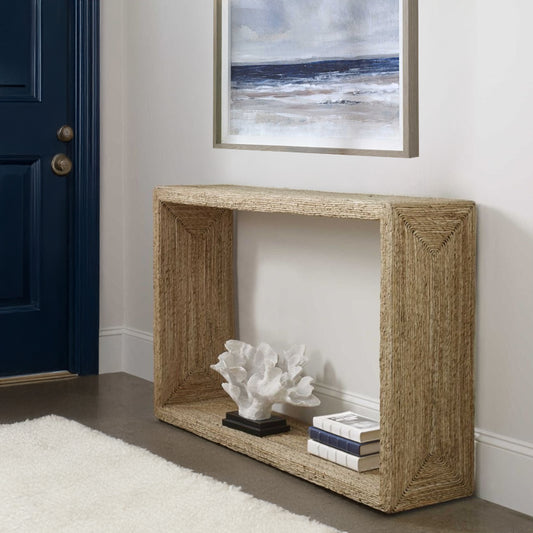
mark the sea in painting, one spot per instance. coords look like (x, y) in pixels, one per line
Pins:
(317, 70)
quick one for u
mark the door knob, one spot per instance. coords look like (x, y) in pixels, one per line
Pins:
(61, 164)
(65, 133)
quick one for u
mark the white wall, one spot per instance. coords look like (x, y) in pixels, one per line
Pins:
(475, 143)
(113, 107)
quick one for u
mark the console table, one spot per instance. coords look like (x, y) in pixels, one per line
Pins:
(427, 300)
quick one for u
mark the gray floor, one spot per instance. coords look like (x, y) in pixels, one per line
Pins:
(121, 405)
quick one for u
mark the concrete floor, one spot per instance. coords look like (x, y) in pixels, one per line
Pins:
(120, 405)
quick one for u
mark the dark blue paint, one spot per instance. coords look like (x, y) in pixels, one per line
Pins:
(19, 234)
(52, 322)
(20, 64)
(84, 228)
(303, 72)
(34, 327)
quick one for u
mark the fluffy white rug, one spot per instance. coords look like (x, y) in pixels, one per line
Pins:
(57, 475)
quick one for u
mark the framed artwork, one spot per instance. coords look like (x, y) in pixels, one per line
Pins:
(330, 76)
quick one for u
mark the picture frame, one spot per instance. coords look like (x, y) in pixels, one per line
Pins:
(305, 76)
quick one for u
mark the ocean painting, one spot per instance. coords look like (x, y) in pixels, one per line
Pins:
(313, 73)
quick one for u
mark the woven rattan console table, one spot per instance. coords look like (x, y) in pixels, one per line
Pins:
(426, 335)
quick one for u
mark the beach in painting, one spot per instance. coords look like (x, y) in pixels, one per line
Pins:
(357, 98)
(315, 71)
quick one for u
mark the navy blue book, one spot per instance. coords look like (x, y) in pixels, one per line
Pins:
(340, 443)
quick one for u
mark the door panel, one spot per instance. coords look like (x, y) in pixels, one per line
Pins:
(20, 42)
(35, 100)
(20, 201)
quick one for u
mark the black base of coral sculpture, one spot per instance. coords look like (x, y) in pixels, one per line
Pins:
(259, 428)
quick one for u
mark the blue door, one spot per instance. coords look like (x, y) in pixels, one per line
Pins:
(36, 99)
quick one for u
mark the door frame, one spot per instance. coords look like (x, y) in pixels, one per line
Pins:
(84, 220)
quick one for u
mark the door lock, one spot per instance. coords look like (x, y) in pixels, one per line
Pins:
(65, 133)
(61, 164)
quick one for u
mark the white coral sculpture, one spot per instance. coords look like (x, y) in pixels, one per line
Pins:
(257, 378)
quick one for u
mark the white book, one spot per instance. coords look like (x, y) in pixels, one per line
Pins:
(349, 425)
(360, 464)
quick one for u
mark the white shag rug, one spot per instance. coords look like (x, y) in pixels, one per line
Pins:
(60, 476)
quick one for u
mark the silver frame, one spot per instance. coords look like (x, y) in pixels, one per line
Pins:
(409, 89)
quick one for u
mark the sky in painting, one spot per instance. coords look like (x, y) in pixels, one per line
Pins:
(267, 31)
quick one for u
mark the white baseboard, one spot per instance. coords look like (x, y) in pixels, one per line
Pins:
(110, 358)
(504, 466)
(126, 350)
(138, 353)
(504, 473)
(335, 400)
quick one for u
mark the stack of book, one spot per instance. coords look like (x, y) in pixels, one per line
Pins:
(346, 438)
